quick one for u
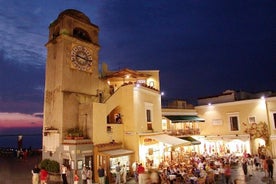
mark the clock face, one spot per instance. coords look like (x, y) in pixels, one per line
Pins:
(81, 58)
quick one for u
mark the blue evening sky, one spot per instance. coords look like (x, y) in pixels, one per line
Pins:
(201, 48)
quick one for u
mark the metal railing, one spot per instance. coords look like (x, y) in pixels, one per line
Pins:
(183, 132)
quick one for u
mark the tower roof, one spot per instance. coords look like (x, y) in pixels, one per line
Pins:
(76, 14)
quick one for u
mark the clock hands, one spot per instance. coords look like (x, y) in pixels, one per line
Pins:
(84, 58)
(81, 57)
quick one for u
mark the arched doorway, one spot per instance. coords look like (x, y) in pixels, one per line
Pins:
(259, 146)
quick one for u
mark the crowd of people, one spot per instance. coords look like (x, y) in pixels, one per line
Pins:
(41, 175)
(197, 168)
(203, 169)
(18, 153)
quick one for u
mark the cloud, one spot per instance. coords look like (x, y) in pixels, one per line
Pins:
(13, 120)
(21, 35)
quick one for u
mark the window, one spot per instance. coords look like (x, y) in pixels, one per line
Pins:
(79, 164)
(149, 126)
(148, 108)
(234, 123)
(148, 115)
(109, 129)
(81, 34)
(252, 119)
(151, 83)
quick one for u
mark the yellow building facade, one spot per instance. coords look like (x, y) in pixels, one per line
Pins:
(238, 126)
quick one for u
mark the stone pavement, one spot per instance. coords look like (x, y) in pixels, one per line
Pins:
(13, 171)
(256, 178)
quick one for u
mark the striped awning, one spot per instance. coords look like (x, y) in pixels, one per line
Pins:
(170, 140)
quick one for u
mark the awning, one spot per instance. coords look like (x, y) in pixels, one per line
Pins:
(170, 140)
(66, 155)
(185, 118)
(117, 152)
(191, 139)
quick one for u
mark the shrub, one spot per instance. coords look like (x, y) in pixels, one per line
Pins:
(50, 165)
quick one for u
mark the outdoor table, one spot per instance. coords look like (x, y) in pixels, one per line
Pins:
(172, 177)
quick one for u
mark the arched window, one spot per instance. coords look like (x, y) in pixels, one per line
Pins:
(55, 33)
(81, 34)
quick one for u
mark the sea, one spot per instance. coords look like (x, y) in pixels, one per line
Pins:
(31, 137)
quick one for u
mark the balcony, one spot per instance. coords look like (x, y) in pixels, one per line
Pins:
(183, 132)
(76, 141)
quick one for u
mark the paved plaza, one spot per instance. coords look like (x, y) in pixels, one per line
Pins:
(13, 171)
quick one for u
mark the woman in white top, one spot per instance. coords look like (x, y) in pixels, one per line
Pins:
(89, 176)
(124, 173)
(84, 175)
(64, 174)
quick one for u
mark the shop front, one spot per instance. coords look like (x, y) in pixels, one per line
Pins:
(77, 153)
(108, 156)
(155, 149)
(226, 144)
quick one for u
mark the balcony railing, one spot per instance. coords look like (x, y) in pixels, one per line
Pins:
(183, 132)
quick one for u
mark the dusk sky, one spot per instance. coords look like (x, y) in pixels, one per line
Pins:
(201, 48)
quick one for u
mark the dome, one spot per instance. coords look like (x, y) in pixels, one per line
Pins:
(76, 14)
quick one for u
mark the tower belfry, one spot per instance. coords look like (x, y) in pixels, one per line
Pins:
(71, 86)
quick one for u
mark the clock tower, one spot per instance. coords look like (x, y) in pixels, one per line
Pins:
(72, 80)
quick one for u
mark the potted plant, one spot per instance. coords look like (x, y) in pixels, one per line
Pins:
(74, 133)
(53, 169)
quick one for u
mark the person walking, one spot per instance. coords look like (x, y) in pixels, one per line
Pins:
(118, 174)
(35, 172)
(101, 174)
(250, 165)
(76, 177)
(64, 174)
(270, 163)
(134, 169)
(43, 176)
(140, 171)
(257, 162)
(227, 173)
(84, 175)
(244, 165)
(265, 166)
(124, 174)
(89, 176)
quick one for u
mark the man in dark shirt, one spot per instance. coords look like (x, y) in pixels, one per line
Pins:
(270, 163)
(101, 174)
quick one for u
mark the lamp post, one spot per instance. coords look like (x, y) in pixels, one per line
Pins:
(20, 142)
